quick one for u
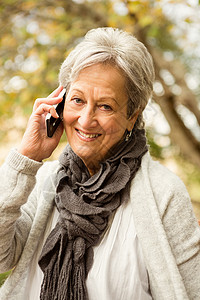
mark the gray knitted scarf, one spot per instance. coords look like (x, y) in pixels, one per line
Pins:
(84, 204)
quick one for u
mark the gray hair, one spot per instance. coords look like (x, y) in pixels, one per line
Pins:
(124, 51)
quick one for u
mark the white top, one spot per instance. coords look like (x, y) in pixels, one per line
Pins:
(118, 271)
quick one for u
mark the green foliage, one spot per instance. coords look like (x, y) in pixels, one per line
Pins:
(33, 46)
(3, 277)
(154, 149)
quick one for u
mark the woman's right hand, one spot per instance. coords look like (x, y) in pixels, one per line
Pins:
(35, 144)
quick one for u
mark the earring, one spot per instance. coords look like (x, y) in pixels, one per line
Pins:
(129, 133)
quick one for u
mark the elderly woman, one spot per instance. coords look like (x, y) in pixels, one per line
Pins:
(106, 221)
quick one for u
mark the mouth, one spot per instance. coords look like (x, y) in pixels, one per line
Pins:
(87, 135)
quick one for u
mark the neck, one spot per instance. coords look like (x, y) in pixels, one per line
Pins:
(93, 168)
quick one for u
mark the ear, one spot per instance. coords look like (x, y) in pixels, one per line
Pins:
(132, 120)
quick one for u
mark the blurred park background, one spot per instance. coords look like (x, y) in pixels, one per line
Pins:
(36, 36)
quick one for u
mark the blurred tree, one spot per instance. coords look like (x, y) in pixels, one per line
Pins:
(154, 29)
(37, 35)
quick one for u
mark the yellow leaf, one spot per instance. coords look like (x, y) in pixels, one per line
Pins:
(188, 20)
(134, 7)
(145, 21)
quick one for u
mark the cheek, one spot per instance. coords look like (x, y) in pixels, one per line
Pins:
(114, 127)
(68, 117)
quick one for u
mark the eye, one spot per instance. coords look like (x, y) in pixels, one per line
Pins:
(77, 100)
(105, 107)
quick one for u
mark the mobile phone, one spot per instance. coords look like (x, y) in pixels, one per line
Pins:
(51, 122)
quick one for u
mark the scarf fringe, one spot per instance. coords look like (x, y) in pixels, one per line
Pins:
(64, 288)
(80, 289)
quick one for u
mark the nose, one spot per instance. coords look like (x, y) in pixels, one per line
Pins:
(87, 118)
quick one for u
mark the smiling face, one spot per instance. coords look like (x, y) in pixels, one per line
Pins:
(95, 113)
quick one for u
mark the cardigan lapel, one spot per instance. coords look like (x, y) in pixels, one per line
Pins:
(165, 280)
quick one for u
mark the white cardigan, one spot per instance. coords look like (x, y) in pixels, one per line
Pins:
(166, 227)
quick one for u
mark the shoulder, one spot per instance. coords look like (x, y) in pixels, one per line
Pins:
(160, 177)
(46, 171)
(48, 168)
(158, 184)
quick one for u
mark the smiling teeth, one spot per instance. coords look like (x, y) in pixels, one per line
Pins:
(88, 135)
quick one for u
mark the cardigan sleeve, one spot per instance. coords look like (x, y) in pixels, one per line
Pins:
(17, 181)
(183, 234)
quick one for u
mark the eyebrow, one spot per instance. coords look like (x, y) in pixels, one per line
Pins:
(77, 90)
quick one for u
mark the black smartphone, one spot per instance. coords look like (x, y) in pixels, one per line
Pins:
(51, 122)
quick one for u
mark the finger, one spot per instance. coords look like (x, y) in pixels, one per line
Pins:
(45, 109)
(49, 101)
(56, 92)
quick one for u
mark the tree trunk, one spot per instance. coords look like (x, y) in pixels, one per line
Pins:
(180, 135)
